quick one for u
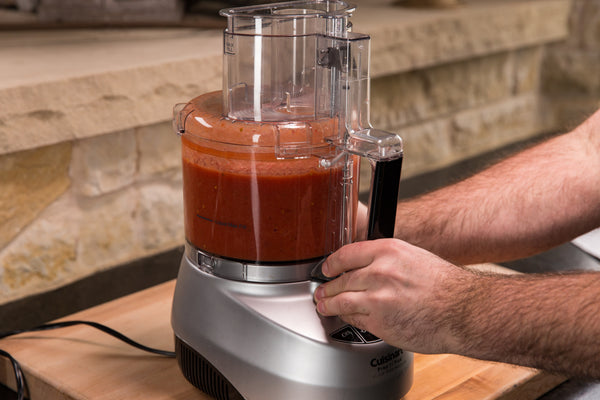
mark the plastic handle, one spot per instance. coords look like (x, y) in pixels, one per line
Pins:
(384, 152)
(383, 200)
(179, 117)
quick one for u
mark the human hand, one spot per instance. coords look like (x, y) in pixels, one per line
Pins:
(403, 294)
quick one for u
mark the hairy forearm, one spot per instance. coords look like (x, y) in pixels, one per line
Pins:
(542, 321)
(528, 203)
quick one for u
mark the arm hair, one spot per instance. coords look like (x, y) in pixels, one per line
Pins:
(528, 203)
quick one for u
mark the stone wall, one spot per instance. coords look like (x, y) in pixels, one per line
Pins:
(571, 74)
(89, 166)
(450, 112)
(75, 208)
(110, 11)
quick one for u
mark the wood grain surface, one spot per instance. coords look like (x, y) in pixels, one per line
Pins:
(80, 362)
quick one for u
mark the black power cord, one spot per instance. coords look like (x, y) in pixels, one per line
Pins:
(20, 377)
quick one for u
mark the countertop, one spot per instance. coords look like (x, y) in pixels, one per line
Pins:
(81, 363)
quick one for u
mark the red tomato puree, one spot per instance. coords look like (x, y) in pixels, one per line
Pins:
(243, 203)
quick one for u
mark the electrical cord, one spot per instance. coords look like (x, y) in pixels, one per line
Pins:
(20, 377)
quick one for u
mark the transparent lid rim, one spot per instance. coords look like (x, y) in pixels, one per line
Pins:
(252, 11)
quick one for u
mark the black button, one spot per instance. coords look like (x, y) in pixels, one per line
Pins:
(368, 336)
(347, 334)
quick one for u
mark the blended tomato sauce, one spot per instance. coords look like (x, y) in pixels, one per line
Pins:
(250, 206)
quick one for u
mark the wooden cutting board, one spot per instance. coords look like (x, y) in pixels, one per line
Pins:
(80, 362)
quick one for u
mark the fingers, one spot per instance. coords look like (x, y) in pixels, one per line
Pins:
(349, 257)
(344, 304)
(340, 296)
(348, 282)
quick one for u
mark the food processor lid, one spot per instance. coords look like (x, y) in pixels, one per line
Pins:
(317, 16)
(295, 69)
(283, 61)
(201, 122)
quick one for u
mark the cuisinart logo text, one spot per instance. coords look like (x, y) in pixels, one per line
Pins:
(383, 362)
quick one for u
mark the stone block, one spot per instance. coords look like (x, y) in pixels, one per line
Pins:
(404, 99)
(107, 235)
(571, 71)
(417, 40)
(446, 140)
(584, 25)
(76, 236)
(44, 255)
(159, 151)
(104, 163)
(564, 113)
(30, 181)
(479, 130)
(110, 10)
(526, 69)
(429, 3)
(101, 103)
(426, 147)
(160, 216)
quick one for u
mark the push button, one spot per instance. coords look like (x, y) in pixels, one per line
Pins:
(351, 334)
(347, 334)
(368, 336)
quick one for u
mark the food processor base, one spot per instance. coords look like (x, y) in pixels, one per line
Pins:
(256, 341)
(202, 374)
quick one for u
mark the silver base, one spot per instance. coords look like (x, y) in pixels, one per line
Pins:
(269, 343)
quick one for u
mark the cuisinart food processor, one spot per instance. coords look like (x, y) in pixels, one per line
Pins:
(270, 180)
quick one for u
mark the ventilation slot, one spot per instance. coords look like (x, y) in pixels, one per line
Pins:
(201, 373)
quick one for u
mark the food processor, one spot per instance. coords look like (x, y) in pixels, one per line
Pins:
(270, 186)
